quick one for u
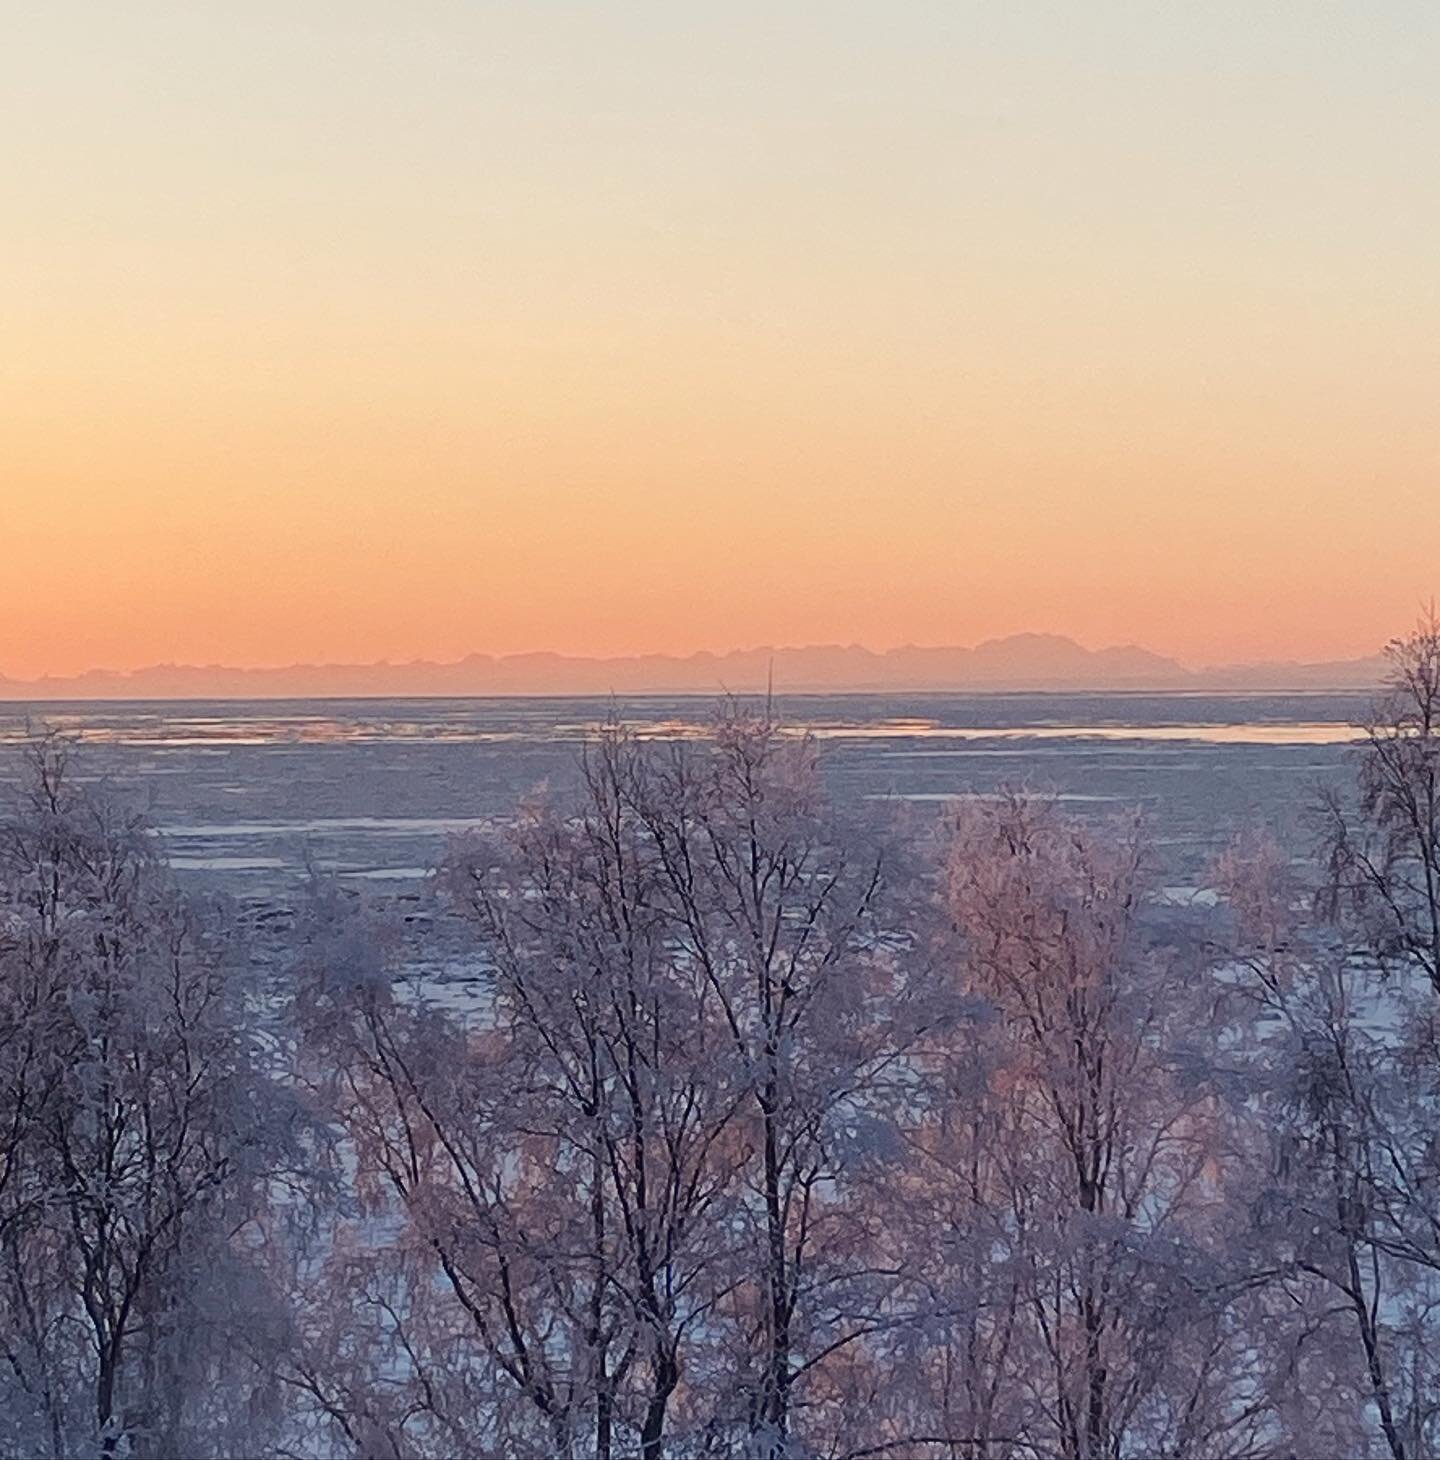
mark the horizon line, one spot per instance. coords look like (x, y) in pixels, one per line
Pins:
(1036, 662)
(853, 646)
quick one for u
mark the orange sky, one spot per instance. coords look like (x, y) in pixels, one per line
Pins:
(359, 331)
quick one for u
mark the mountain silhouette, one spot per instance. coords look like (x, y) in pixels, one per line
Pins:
(1028, 661)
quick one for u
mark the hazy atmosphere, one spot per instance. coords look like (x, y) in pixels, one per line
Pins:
(720, 731)
(363, 331)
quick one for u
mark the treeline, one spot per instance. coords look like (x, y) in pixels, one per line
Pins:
(772, 1136)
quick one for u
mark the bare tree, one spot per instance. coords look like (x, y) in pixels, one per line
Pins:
(758, 1141)
(563, 1165)
(616, 1030)
(792, 926)
(1091, 1171)
(139, 1129)
(1332, 1105)
(633, 1176)
(1343, 970)
(1382, 847)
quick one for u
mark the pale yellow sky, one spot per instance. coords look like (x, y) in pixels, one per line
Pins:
(347, 331)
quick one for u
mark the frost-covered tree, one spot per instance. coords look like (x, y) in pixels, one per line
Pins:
(1382, 844)
(749, 1133)
(139, 1130)
(614, 1038)
(806, 952)
(1345, 1307)
(557, 1166)
(624, 1194)
(1079, 1161)
(1343, 968)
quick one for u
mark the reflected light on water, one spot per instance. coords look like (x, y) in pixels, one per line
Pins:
(309, 732)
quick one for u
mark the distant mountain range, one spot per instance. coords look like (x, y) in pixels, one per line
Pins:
(1019, 662)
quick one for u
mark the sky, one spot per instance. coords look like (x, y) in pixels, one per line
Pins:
(359, 331)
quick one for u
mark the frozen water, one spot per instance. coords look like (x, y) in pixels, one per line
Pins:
(248, 794)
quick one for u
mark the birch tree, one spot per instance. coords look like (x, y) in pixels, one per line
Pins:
(1092, 1173)
(140, 1131)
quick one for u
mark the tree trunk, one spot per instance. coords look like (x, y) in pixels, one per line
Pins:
(775, 1411)
(652, 1433)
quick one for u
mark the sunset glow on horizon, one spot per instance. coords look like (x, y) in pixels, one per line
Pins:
(350, 332)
